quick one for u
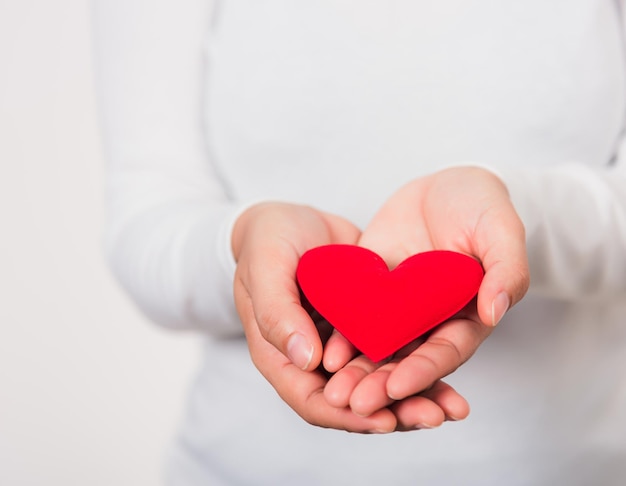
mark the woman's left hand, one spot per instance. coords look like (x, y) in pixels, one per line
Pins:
(463, 209)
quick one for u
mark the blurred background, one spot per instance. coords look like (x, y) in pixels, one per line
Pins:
(90, 391)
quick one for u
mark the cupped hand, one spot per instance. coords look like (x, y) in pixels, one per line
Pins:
(408, 383)
(463, 209)
(285, 343)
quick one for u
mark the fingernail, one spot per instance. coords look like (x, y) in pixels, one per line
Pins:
(452, 418)
(299, 350)
(499, 306)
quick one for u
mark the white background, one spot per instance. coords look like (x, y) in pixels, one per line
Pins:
(90, 391)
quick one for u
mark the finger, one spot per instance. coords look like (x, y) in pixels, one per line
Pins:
(338, 351)
(341, 385)
(315, 410)
(370, 394)
(501, 247)
(304, 391)
(361, 384)
(431, 408)
(454, 406)
(418, 412)
(447, 348)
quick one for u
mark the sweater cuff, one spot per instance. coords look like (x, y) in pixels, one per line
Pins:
(224, 238)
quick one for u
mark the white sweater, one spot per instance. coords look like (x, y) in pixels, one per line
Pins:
(336, 103)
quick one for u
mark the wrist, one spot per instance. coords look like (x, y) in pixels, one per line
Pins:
(249, 218)
(241, 226)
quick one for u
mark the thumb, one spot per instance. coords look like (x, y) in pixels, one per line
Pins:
(501, 246)
(267, 297)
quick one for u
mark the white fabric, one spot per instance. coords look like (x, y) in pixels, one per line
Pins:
(206, 109)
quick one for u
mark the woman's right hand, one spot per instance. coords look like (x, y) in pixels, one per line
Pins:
(284, 342)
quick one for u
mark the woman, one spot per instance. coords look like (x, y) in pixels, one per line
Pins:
(242, 133)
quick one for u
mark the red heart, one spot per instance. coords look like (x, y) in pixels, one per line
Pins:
(380, 311)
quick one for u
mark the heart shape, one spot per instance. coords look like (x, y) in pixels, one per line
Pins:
(379, 311)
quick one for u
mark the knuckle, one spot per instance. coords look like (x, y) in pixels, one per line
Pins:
(523, 274)
(449, 348)
(268, 319)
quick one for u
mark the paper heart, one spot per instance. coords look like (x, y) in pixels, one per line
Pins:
(379, 311)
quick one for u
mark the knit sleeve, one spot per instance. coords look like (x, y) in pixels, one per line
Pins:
(169, 216)
(575, 219)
